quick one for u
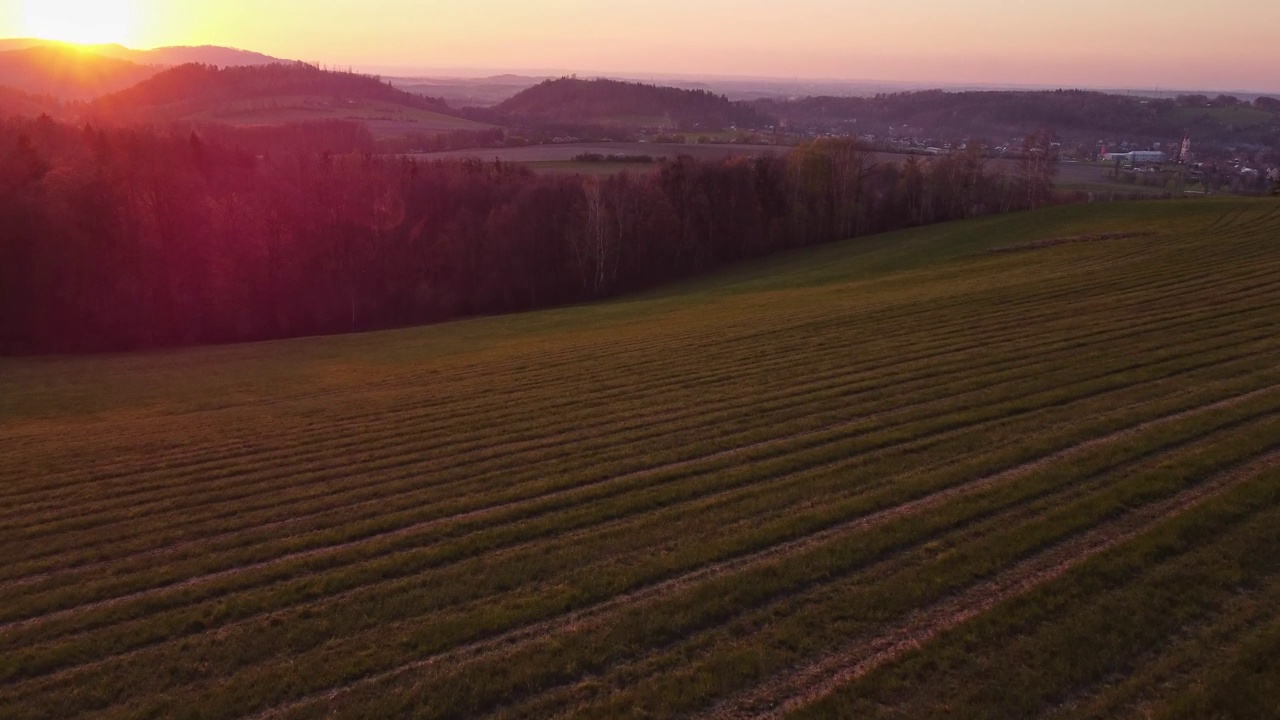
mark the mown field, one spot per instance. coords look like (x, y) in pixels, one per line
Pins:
(899, 477)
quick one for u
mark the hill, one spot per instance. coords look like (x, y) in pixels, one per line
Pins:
(164, 57)
(897, 477)
(184, 55)
(7, 44)
(67, 72)
(84, 72)
(571, 101)
(274, 95)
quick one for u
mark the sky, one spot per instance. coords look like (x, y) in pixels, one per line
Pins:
(1170, 44)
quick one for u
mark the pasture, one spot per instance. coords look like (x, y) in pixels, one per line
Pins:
(903, 476)
(1098, 178)
(383, 119)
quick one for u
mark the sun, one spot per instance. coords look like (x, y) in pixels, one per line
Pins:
(86, 22)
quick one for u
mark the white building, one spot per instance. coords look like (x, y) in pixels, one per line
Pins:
(1138, 156)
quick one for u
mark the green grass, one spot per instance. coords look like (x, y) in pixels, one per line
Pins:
(714, 497)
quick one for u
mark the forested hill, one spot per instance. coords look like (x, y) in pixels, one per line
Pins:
(17, 103)
(612, 102)
(1073, 113)
(67, 72)
(189, 89)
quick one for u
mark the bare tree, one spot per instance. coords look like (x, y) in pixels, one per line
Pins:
(851, 164)
(597, 247)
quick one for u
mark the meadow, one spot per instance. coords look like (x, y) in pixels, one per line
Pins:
(903, 476)
(384, 119)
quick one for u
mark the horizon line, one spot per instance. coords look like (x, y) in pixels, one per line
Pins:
(440, 72)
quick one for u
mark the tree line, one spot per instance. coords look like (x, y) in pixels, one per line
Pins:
(1263, 102)
(118, 239)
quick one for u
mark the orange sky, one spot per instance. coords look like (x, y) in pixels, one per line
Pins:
(1134, 43)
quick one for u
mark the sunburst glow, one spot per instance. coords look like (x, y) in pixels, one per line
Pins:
(80, 21)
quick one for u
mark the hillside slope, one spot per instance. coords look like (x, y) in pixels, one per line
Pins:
(68, 72)
(17, 103)
(905, 476)
(85, 72)
(612, 102)
(275, 95)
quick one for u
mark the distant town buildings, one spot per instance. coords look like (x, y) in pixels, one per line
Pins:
(1136, 157)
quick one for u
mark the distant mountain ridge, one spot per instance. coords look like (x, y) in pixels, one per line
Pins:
(163, 56)
(182, 55)
(67, 73)
(84, 72)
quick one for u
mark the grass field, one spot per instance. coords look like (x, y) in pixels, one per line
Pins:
(1098, 178)
(383, 119)
(898, 477)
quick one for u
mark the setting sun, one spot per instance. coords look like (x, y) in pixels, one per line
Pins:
(80, 21)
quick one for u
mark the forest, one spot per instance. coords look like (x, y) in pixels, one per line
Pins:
(17, 103)
(571, 100)
(119, 239)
